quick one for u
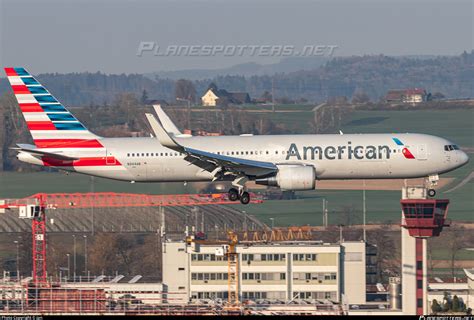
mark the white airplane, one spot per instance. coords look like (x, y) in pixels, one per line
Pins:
(291, 162)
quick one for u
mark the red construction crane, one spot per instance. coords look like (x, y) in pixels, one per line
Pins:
(34, 207)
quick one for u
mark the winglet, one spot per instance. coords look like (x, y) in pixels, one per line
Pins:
(168, 125)
(163, 137)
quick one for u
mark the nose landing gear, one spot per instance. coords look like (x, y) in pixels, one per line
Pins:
(431, 192)
(433, 181)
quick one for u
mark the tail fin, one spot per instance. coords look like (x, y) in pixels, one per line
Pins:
(50, 123)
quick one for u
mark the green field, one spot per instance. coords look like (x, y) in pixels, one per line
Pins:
(382, 206)
(17, 185)
(445, 254)
(456, 125)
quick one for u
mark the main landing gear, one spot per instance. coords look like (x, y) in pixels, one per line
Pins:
(234, 195)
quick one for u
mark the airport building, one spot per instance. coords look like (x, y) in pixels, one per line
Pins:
(273, 271)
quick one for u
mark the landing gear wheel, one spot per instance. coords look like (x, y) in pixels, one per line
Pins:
(431, 193)
(245, 198)
(233, 194)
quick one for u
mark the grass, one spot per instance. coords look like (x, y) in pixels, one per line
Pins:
(445, 254)
(455, 125)
(17, 185)
(446, 272)
(268, 107)
(308, 208)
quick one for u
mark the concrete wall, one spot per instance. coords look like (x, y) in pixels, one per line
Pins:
(353, 282)
(176, 272)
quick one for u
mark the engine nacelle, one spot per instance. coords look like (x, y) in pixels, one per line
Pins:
(292, 177)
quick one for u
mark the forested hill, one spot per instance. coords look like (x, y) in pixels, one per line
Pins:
(83, 89)
(453, 76)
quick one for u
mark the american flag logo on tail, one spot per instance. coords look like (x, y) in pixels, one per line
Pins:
(50, 123)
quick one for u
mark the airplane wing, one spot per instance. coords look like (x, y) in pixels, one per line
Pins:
(35, 152)
(166, 121)
(211, 161)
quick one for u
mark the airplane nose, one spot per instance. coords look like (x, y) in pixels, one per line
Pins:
(463, 158)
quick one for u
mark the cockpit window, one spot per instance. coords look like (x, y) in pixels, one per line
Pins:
(451, 147)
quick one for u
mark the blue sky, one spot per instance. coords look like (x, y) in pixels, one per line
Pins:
(84, 35)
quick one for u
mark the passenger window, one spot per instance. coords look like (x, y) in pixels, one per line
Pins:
(147, 154)
(128, 154)
(161, 154)
(267, 152)
(143, 154)
(166, 154)
(276, 152)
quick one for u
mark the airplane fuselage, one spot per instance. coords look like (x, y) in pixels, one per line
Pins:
(347, 156)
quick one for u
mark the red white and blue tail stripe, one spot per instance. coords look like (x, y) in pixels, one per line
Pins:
(50, 123)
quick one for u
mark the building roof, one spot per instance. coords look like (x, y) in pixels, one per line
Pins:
(398, 94)
(232, 97)
(394, 95)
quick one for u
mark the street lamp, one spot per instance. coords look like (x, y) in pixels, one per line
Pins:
(68, 266)
(187, 100)
(17, 260)
(85, 255)
(74, 257)
(189, 110)
(273, 222)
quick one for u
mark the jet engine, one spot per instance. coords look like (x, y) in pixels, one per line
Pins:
(291, 177)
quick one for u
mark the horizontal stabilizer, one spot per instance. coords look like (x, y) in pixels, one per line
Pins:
(35, 152)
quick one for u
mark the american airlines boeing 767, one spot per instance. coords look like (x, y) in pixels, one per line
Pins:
(291, 162)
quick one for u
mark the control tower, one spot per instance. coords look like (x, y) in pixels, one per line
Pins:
(422, 218)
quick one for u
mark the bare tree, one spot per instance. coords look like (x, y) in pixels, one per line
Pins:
(456, 240)
(383, 239)
(360, 96)
(184, 89)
